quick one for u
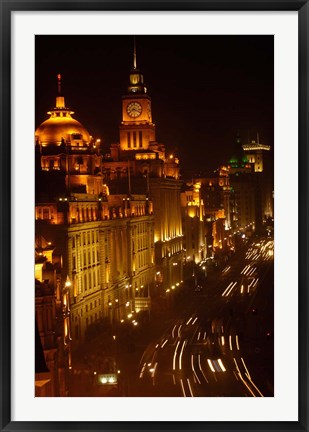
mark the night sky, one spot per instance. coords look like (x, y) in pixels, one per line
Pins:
(204, 89)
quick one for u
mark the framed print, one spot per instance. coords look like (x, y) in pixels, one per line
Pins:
(154, 215)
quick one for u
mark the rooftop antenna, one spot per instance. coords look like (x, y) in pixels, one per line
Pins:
(134, 55)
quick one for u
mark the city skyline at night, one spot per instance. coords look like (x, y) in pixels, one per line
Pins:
(205, 89)
(154, 216)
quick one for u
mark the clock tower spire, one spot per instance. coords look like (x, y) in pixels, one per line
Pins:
(136, 129)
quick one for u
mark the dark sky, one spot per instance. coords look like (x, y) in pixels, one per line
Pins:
(204, 89)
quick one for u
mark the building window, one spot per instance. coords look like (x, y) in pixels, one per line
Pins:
(129, 139)
(134, 139)
(45, 213)
(140, 137)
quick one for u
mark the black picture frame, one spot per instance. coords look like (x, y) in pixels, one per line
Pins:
(6, 8)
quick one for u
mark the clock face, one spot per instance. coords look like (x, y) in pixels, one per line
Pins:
(134, 109)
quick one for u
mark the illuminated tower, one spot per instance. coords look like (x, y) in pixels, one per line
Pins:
(136, 129)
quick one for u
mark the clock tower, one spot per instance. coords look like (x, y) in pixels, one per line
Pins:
(136, 129)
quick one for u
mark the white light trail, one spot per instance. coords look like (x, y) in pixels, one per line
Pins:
(189, 320)
(227, 288)
(200, 367)
(179, 330)
(221, 365)
(230, 342)
(194, 320)
(237, 344)
(142, 371)
(173, 331)
(175, 354)
(189, 385)
(181, 352)
(164, 343)
(240, 376)
(193, 369)
(210, 365)
(182, 388)
(248, 375)
(230, 290)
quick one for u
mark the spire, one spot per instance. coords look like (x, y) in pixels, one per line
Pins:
(59, 84)
(59, 99)
(134, 55)
(136, 85)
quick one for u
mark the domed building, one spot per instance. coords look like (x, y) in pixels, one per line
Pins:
(61, 127)
(63, 144)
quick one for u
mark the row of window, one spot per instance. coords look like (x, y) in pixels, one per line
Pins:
(88, 237)
(90, 279)
(132, 139)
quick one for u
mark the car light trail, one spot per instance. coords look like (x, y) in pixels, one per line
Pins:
(193, 369)
(256, 388)
(179, 330)
(182, 388)
(237, 344)
(230, 290)
(173, 331)
(205, 335)
(221, 365)
(142, 371)
(247, 372)
(164, 343)
(181, 352)
(189, 385)
(199, 335)
(200, 368)
(222, 340)
(175, 354)
(240, 376)
(194, 320)
(244, 269)
(227, 289)
(230, 342)
(189, 320)
(226, 269)
(210, 365)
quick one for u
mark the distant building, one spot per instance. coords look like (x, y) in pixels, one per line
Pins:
(193, 220)
(52, 318)
(251, 184)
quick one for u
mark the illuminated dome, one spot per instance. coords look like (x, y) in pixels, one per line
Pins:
(61, 126)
